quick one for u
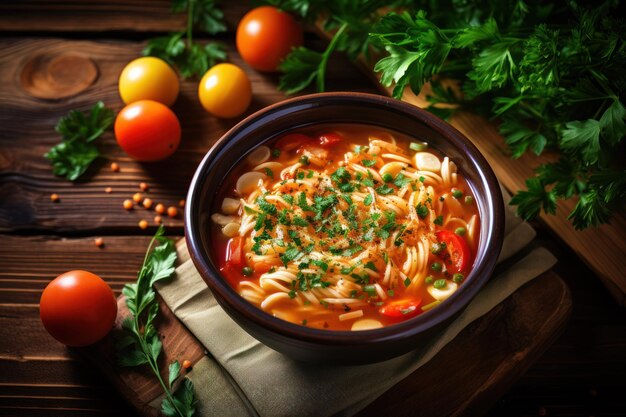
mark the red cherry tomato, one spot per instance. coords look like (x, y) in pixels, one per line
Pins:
(456, 249)
(328, 139)
(147, 130)
(265, 36)
(78, 308)
(293, 141)
(404, 308)
(234, 253)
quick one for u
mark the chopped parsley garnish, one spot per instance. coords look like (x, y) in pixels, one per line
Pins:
(439, 221)
(370, 265)
(368, 200)
(299, 221)
(249, 210)
(370, 290)
(407, 282)
(361, 279)
(282, 218)
(368, 162)
(304, 160)
(292, 253)
(302, 202)
(275, 153)
(401, 180)
(310, 281)
(288, 198)
(347, 252)
(422, 210)
(341, 175)
(269, 173)
(265, 206)
(384, 190)
(320, 264)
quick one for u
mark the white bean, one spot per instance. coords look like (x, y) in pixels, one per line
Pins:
(366, 324)
(427, 161)
(223, 220)
(392, 168)
(259, 155)
(231, 229)
(248, 182)
(230, 205)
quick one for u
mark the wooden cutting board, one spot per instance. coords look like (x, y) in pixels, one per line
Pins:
(465, 378)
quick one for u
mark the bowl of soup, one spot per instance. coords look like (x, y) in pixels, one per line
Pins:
(344, 227)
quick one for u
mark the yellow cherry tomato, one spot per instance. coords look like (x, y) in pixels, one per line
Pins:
(148, 78)
(225, 91)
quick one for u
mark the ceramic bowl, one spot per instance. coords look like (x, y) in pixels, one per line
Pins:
(328, 346)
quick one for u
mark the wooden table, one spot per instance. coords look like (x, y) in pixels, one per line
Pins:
(581, 373)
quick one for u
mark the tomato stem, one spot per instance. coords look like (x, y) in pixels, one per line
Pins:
(321, 70)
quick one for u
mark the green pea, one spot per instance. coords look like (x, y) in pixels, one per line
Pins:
(460, 231)
(387, 177)
(436, 266)
(458, 278)
(456, 193)
(469, 199)
(429, 279)
(247, 271)
(440, 284)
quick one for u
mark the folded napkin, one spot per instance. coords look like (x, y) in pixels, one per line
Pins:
(243, 377)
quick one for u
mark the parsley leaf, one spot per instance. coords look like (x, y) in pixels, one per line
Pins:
(191, 58)
(79, 130)
(368, 162)
(583, 138)
(140, 342)
(529, 203)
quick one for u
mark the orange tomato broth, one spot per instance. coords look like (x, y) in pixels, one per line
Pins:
(231, 258)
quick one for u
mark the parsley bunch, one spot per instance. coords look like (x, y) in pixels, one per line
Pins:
(79, 130)
(553, 75)
(551, 72)
(179, 49)
(140, 343)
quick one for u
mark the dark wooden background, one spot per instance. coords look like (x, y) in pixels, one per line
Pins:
(582, 373)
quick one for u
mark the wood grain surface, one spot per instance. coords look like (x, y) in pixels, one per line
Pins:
(84, 207)
(580, 374)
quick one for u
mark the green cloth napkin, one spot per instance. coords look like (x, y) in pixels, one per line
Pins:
(243, 377)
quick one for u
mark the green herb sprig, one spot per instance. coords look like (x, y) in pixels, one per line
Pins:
(553, 75)
(349, 20)
(140, 343)
(179, 49)
(79, 130)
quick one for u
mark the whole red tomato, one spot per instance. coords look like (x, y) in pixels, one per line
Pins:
(265, 36)
(78, 308)
(147, 130)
